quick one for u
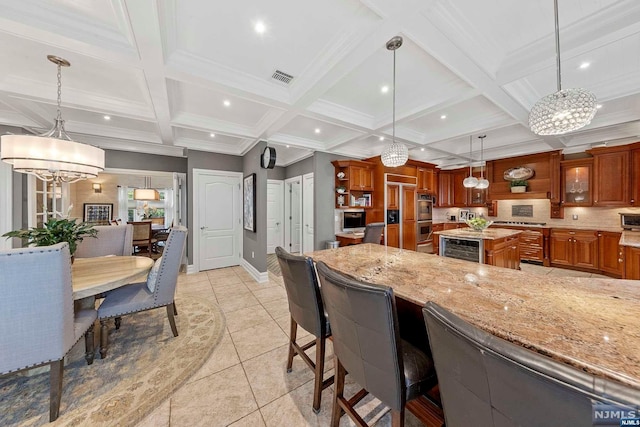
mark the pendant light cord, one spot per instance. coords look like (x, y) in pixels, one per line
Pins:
(555, 10)
(393, 138)
(470, 157)
(482, 156)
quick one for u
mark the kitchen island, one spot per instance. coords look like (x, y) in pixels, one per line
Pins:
(591, 324)
(493, 246)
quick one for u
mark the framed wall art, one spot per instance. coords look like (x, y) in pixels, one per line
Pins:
(98, 213)
(249, 202)
(462, 216)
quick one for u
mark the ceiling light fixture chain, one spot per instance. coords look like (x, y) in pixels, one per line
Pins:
(470, 181)
(482, 182)
(396, 153)
(566, 110)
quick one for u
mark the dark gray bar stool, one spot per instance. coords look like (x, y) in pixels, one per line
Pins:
(373, 232)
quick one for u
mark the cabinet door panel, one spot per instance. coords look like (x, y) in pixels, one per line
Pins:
(445, 198)
(393, 196)
(355, 178)
(612, 179)
(393, 235)
(635, 185)
(632, 263)
(409, 218)
(585, 249)
(561, 248)
(459, 191)
(610, 256)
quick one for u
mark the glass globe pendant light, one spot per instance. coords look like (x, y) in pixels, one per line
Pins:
(565, 110)
(470, 181)
(396, 153)
(482, 182)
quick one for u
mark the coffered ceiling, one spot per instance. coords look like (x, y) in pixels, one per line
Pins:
(196, 74)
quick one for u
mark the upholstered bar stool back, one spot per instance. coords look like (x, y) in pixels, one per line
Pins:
(110, 240)
(307, 310)
(373, 232)
(367, 344)
(487, 381)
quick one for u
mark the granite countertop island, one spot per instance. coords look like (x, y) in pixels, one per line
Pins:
(591, 324)
(630, 238)
(487, 234)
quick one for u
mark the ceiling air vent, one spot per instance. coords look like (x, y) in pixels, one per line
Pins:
(282, 77)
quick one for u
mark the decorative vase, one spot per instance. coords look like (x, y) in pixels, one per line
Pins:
(340, 200)
(519, 189)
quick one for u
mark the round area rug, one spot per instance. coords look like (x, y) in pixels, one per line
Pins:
(144, 365)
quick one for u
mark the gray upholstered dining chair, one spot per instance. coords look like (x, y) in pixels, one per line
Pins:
(367, 345)
(158, 291)
(307, 310)
(373, 232)
(487, 381)
(110, 240)
(37, 321)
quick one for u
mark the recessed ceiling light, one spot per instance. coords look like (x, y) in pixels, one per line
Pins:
(260, 27)
(599, 106)
(107, 117)
(317, 130)
(212, 135)
(288, 146)
(226, 102)
(444, 116)
(384, 89)
(584, 65)
(381, 138)
(422, 149)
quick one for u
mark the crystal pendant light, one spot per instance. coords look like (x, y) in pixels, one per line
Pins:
(567, 109)
(482, 182)
(470, 181)
(53, 156)
(396, 153)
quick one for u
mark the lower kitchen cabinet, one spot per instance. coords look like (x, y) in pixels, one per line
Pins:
(632, 263)
(574, 248)
(393, 235)
(611, 255)
(503, 252)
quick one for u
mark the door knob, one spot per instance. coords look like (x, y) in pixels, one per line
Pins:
(203, 227)
(277, 223)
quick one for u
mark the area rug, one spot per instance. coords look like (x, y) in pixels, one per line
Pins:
(144, 365)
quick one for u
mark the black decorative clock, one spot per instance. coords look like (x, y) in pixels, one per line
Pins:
(268, 158)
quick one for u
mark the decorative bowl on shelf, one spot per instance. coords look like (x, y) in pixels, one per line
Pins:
(341, 175)
(478, 223)
(341, 190)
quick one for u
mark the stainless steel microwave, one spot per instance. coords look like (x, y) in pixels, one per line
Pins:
(630, 221)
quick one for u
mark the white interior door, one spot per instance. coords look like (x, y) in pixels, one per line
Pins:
(293, 214)
(275, 223)
(218, 222)
(307, 212)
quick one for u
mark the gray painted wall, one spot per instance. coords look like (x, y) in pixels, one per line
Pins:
(18, 193)
(276, 173)
(141, 161)
(300, 168)
(210, 161)
(256, 242)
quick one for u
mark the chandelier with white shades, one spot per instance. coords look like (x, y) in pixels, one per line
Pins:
(52, 156)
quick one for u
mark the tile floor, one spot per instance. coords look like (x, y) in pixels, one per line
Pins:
(244, 382)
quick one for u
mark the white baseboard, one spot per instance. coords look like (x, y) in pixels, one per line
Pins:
(258, 276)
(191, 269)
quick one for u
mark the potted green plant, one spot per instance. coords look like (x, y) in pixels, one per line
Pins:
(56, 230)
(341, 189)
(519, 185)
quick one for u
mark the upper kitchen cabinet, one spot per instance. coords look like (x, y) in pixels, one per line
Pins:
(452, 192)
(635, 174)
(426, 179)
(577, 182)
(354, 183)
(445, 189)
(535, 168)
(612, 183)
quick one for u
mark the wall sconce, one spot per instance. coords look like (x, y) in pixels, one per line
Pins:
(97, 188)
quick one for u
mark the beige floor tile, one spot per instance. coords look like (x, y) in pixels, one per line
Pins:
(219, 282)
(223, 357)
(231, 290)
(254, 341)
(247, 318)
(237, 302)
(221, 272)
(197, 277)
(246, 277)
(254, 419)
(159, 417)
(294, 409)
(217, 400)
(277, 308)
(255, 286)
(268, 377)
(285, 324)
(194, 288)
(270, 294)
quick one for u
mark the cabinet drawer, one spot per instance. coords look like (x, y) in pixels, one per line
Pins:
(531, 253)
(529, 238)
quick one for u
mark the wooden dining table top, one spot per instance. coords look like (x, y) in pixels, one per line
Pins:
(93, 276)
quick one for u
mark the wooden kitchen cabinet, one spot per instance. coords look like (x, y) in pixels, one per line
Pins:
(532, 245)
(426, 179)
(409, 218)
(445, 189)
(361, 178)
(574, 248)
(577, 182)
(393, 196)
(610, 253)
(635, 174)
(393, 235)
(460, 193)
(503, 252)
(611, 183)
(357, 179)
(632, 263)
